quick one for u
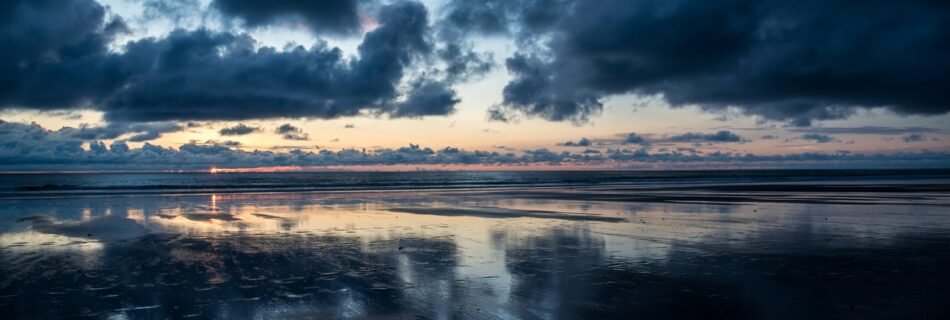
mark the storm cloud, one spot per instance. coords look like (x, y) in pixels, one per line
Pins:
(520, 18)
(792, 61)
(55, 54)
(779, 60)
(203, 75)
(324, 16)
(426, 99)
(209, 75)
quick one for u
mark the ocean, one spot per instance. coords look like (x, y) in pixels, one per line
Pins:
(71, 184)
(768, 244)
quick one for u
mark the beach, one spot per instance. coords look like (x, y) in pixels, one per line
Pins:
(754, 246)
(474, 159)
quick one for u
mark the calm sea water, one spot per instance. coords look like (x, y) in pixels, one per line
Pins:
(132, 183)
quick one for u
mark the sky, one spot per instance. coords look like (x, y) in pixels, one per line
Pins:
(115, 85)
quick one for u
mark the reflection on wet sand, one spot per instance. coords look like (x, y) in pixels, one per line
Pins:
(502, 213)
(448, 255)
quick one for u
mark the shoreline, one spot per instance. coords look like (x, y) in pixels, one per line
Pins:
(924, 191)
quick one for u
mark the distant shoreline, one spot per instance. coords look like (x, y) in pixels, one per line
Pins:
(867, 192)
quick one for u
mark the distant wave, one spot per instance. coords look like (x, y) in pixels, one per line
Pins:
(136, 183)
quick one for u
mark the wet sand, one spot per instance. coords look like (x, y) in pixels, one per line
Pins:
(754, 251)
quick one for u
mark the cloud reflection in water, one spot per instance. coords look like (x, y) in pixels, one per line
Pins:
(332, 255)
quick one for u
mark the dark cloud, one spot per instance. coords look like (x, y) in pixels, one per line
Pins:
(794, 61)
(27, 143)
(802, 160)
(149, 130)
(533, 91)
(238, 130)
(464, 64)
(583, 142)
(208, 75)
(296, 136)
(499, 114)
(147, 136)
(633, 138)
(719, 136)
(290, 132)
(65, 114)
(31, 147)
(324, 16)
(867, 130)
(173, 10)
(768, 137)
(485, 17)
(914, 137)
(228, 143)
(55, 54)
(135, 132)
(426, 99)
(287, 128)
(817, 137)
(204, 75)
(523, 18)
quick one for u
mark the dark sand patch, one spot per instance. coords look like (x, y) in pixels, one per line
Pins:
(269, 216)
(503, 213)
(107, 228)
(210, 216)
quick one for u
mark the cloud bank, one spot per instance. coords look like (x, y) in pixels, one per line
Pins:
(793, 61)
(26, 147)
